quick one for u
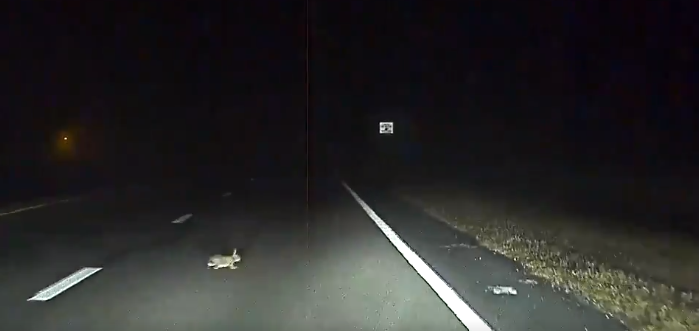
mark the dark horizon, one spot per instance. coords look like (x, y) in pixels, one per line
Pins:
(182, 91)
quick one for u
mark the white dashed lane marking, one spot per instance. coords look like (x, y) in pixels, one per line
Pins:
(64, 284)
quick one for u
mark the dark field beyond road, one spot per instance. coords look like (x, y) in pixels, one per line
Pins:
(628, 245)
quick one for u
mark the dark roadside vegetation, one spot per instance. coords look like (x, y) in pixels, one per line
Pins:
(625, 244)
(35, 177)
(33, 183)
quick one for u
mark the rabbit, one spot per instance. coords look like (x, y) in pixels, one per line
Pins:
(219, 261)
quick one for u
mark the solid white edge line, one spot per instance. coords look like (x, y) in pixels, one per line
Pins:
(64, 284)
(467, 315)
(182, 219)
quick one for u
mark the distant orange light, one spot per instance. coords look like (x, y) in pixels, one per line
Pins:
(65, 138)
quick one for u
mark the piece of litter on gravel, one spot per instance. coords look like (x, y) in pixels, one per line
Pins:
(462, 245)
(502, 290)
(528, 281)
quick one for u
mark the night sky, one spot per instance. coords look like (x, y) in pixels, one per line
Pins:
(180, 88)
(562, 83)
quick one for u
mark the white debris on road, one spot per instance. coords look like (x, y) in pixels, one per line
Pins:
(182, 219)
(227, 194)
(528, 281)
(462, 245)
(502, 290)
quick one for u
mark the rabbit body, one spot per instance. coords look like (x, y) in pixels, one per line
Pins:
(219, 261)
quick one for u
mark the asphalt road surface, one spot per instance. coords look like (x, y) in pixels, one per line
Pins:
(326, 258)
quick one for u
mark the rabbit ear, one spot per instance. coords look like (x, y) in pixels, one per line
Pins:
(235, 251)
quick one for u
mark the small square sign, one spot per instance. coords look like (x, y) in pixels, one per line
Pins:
(386, 127)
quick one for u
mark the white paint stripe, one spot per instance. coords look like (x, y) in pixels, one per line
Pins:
(63, 284)
(182, 219)
(24, 209)
(468, 317)
(37, 206)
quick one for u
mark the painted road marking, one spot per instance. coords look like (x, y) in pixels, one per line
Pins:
(37, 206)
(64, 284)
(24, 209)
(182, 219)
(467, 315)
